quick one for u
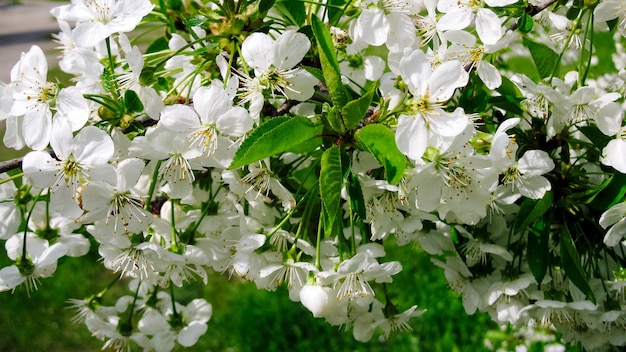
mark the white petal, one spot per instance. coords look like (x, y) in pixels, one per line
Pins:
(613, 215)
(211, 102)
(489, 75)
(72, 105)
(447, 124)
(500, 3)
(535, 163)
(97, 196)
(459, 18)
(93, 146)
(374, 67)
(614, 154)
(236, 122)
(609, 118)
(412, 136)
(37, 127)
(10, 278)
(488, 26)
(289, 49)
(190, 334)
(302, 86)
(179, 118)
(535, 187)
(616, 233)
(128, 173)
(51, 255)
(402, 32)
(445, 79)
(40, 168)
(256, 50)
(89, 34)
(374, 26)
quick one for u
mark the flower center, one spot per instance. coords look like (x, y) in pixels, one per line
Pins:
(101, 10)
(204, 139)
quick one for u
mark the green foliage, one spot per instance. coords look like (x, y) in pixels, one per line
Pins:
(545, 59)
(525, 23)
(380, 142)
(331, 182)
(531, 210)
(277, 135)
(570, 259)
(293, 10)
(354, 111)
(610, 194)
(330, 65)
(538, 250)
(244, 318)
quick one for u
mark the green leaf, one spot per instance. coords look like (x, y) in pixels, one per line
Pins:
(275, 136)
(599, 139)
(508, 103)
(612, 194)
(570, 259)
(474, 98)
(265, 6)
(589, 195)
(146, 78)
(509, 89)
(292, 10)
(537, 250)
(380, 141)
(335, 121)
(175, 5)
(335, 10)
(331, 182)
(572, 12)
(354, 111)
(197, 20)
(357, 202)
(159, 44)
(531, 210)
(132, 102)
(525, 23)
(545, 59)
(329, 63)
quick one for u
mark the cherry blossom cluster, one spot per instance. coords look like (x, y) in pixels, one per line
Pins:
(294, 143)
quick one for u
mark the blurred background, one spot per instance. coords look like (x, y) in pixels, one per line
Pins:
(244, 318)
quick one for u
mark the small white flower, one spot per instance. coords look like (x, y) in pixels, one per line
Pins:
(96, 20)
(40, 261)
(616, 218)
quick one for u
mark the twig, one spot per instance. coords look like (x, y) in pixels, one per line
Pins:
(16, 163)
(10, 164)
(532, 10)
(270, 110)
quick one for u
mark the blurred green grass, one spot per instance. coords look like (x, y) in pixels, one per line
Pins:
(244, 319)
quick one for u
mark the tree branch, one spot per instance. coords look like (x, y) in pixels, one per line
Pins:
(16, 163)
(532, 10)
(9, 165)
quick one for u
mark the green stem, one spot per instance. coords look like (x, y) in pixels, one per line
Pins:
(173, 202)
(129, 323)
(566, 45)
(588, 32)
(11, 178)
(163, 9)
(153, 183)
(112, 66)
(174, 313)
(205, 212)
(318, 245)
(24, 251)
